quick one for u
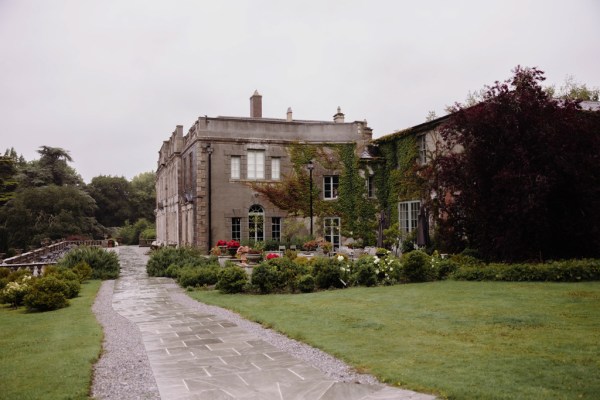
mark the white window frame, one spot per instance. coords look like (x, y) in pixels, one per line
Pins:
(422, 143)
(276, 228)
(330, 187)
(408, 215)
(256, 164)
(256, 223)
(275, 168)
(332, 228)
(236, 162)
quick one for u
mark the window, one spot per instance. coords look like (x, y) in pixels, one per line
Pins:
(256, 164)
(332, 231)
(330, 186)
(370, 186)
(408, 214)
(275, 168)
(236, 229)
(422, 142)
(276, 228)
(256, 223)
(235, 167)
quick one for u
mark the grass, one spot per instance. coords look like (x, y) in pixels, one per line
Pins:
(460, 340)
(50, 355)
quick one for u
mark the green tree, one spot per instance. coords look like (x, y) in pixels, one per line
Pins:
(573, 90)
(52, 168)
(112, 195)
(50, 211)
(143, 196)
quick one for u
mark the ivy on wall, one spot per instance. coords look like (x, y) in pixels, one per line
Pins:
(356, 211)
(397, 178)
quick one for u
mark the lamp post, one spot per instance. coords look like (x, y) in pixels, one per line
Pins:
(310, 167)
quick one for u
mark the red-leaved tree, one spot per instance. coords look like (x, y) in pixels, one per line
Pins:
(518, 175)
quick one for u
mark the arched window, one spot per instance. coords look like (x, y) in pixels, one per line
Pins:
(256, 223)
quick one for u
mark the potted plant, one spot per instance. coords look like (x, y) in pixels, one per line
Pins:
(232, 247)
(221, 244)
(255, 252)
(311, 245)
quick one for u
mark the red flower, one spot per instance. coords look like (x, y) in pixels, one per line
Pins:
(221, 243)
(233, 244)
(271, 256)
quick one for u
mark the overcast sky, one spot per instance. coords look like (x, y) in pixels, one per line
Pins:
(109, 80)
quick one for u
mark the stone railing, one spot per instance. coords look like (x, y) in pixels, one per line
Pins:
(36, 259)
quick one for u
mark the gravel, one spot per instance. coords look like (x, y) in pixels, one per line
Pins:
(123, 371)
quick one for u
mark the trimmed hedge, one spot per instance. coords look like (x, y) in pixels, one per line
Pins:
(166, 260)
(555, 271)
(104, 264)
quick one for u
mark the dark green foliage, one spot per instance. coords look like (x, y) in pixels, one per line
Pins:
(68, 276)
(112, 195)
(267, 278)
(364, 274)
(47, 293)
(130, 234)
(161, 259)
(556, 271)
(445, 268)
(416, 266)
(104, 264)
(306, 283)
(205, 275)
(232, 279)
(327, 273)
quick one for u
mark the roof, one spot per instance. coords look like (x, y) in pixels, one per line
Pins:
(413, 130)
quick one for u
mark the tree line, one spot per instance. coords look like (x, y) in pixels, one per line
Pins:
(46, 199)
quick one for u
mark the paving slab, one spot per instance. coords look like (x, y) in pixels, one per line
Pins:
(201, 356)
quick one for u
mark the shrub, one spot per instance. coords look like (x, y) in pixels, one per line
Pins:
(161, 259)
(4, 272)
(327, 273)
(47, 293)
(15, 291)
(173, 271)
(306, 283)
(70, 278)
(232, 279)
(416, 266)
(104, 264)
(556, 271)
(445, 268)
(191, 276)
(83, 271)
(267, 278)
(364, 274)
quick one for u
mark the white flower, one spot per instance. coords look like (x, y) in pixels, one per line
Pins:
(391, 268)
(340, 258)
(376, 271)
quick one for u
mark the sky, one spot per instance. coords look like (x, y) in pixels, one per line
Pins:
(108, 80)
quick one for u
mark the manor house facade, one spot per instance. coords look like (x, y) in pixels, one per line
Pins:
(204, 178)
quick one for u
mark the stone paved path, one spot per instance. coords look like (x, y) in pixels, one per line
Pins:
(199, 356)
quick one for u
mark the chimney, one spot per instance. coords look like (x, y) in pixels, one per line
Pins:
(256, 105)
(338, 118)
(289, 114)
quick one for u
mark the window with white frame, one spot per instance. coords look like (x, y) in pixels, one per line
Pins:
(408, 214)
(276, 228)
(330, 186)
(332, 231)
(275, 168)
(235, 167)
(422, 142)
(256, 223)
(256, 164)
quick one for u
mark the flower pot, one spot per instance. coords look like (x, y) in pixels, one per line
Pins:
(232, 251)
(253, 257)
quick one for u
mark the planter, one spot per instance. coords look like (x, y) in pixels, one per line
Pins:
(223, 249)
(232, 251)
(253, 257)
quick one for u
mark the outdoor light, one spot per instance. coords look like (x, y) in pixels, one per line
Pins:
(310, 167)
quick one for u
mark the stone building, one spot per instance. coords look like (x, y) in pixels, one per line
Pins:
(202, 180)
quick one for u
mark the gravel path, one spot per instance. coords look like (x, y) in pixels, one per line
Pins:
(123, 371)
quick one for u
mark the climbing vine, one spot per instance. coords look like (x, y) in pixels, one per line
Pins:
(352, 205)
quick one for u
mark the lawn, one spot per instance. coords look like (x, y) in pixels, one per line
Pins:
(50, 355)
(460, 340)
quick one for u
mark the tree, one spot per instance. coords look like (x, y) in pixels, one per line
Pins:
(143, 196)
(573, 90)
(50, 169)
(112, 195)
(8, 171)
(524, 185)
(48, 212)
